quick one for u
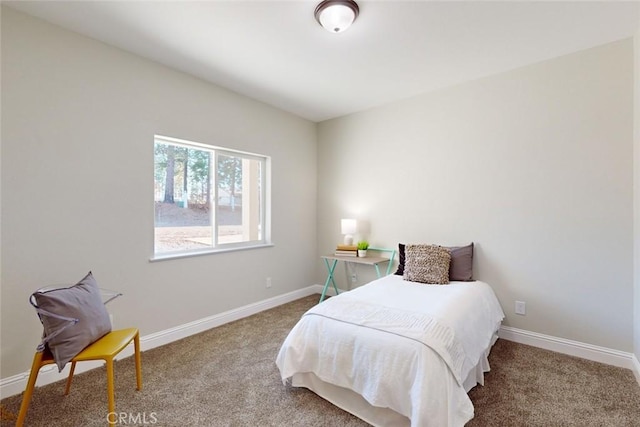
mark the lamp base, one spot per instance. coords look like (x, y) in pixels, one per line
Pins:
(348, 239)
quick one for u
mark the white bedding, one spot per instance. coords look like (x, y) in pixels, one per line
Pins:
(405, 346)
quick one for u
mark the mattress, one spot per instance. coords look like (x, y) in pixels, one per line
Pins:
(394, 352)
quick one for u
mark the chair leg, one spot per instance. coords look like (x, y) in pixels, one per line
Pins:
(110, 392)
(69, 378)
(136, 344)
(26, 398)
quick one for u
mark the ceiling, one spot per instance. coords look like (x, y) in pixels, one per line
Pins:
(275, 51)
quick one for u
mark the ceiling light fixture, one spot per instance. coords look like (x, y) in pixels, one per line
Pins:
(336, 15)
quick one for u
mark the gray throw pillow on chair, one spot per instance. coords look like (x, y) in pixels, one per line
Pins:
(81, 302)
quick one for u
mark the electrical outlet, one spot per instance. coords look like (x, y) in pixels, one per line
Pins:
(521, 308)
(268, 284)
(354, 277)
(111, 320)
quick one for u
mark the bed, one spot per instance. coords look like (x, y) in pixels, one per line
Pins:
(395, 352)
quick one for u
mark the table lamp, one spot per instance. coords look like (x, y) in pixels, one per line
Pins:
(348, 227)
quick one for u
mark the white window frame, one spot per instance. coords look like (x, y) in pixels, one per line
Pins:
(264, 201)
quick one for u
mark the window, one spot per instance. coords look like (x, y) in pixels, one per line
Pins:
(208, 198)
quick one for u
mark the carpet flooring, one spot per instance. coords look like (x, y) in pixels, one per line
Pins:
(227, 376)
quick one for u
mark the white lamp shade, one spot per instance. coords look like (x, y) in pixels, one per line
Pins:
(348, 226)
(336, 18)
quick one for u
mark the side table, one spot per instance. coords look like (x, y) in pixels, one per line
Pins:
(331, 261)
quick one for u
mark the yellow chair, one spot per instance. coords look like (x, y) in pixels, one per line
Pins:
(105, 348)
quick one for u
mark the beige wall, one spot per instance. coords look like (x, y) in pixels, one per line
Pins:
(78, 122)
(534, 165)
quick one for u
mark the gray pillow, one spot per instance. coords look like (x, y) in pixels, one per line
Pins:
(427, 264)
(461, 268)
(83, 302)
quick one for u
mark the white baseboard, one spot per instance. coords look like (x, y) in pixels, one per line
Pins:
(569, 347)
(636, 368)
(173, 334)
(16, 384)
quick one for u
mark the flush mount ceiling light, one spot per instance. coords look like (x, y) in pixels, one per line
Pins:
(336, 15)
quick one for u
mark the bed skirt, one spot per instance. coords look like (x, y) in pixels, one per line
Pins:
(355, 404)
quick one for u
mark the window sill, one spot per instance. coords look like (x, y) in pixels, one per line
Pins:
(165, 257)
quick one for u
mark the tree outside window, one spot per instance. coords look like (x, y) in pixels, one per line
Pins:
(207, 197)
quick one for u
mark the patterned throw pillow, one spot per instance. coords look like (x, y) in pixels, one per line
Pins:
(460, 268)
(427, 264)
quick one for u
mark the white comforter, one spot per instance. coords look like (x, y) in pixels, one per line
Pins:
(400, 345)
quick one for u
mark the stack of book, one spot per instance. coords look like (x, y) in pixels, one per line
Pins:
(346, 250)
